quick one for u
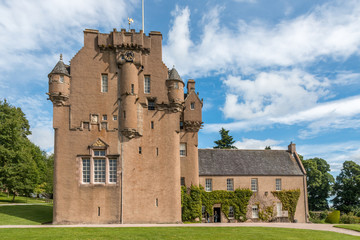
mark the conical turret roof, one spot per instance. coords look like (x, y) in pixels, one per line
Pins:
(174, 75)
(60, 68)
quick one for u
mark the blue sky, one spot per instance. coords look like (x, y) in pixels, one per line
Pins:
(269, 71)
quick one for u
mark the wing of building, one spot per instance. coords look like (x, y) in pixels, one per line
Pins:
(126, 135)
(262, 171)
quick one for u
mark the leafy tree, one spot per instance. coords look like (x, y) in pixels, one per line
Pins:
(347, 188)
(267, 148)
(20, 160)
(319, 183)
(226, 141)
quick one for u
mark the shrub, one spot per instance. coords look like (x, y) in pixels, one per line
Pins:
(333, 217)
(349, 218)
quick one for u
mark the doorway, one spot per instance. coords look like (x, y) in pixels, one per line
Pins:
(217, 215)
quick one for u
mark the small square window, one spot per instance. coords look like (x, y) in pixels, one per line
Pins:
(86, 125)
(192, 106)
(151, 105)
(104, 125)
(104, 117)
(114, 117)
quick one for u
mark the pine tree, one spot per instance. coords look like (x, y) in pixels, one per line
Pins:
(226, 141)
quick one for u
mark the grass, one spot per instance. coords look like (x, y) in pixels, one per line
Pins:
(25, 214)
(5, 199)
(187, 233)
(355, 227)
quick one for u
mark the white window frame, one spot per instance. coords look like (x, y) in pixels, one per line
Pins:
(254, 184)
(112, 170)
(230, 184)
(147, 82)
(104, 83)
(255, 211)
(183, 149)
(231, 212)
(278, 184)
(208, 184)
(99, 170)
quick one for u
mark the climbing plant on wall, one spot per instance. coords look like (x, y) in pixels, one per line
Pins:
(289, 199)
(196, 197)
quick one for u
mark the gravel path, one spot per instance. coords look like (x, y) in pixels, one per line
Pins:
(320, 227)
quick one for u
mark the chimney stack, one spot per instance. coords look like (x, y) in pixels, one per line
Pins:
(292, 148)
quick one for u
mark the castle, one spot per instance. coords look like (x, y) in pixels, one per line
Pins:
(126, 135)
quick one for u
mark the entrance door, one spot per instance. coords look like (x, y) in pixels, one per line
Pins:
(217, 215)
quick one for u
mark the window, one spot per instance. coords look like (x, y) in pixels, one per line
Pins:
(156, 202)
(278, 184)
(151, 105)
(147, 84)
(203, 212)
(114, 117)
(231, 212)
(86, 170)
(208, 185)
(104, 83)
(124, 114)
(182, 181)
(255, 211)
(181, 125)
(176, 85)
(279, 209)
(182, 149)
(61, 79)
(99, 153)
(104, 117)
(140, 150)
(254, 184)
(152, 125)
(112, 170)
(230, 184)
(192, 106)
(157, 151)
(99, 170)
(86, 125)
(132, 88)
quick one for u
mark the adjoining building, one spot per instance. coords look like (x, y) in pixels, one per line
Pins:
(126, 135)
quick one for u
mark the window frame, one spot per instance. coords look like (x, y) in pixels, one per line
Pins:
(147, 84)
(183, 152)
(86, 172)
(61, 79)
(104, 83)
(254, 185)
(112, 172)
(192, 105)
(231, 212)
(255, 211)
(208, 185)
(278, 184)
(230, 184)
(99, 170)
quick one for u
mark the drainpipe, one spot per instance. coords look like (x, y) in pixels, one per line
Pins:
(122, 179)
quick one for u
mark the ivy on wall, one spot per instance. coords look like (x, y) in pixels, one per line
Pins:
(194, 198)
(289, 199)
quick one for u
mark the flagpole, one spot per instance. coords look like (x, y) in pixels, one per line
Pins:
(143, 27)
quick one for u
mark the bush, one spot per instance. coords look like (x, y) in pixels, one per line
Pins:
(349, 218)
(333, 217)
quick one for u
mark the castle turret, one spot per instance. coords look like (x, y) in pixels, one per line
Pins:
(175, 87)
(129, 94)
(59, 83)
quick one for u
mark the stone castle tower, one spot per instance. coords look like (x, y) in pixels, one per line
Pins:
(126, 135)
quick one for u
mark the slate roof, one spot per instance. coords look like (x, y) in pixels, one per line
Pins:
(232, 162)
(60, 68)
(174, 75)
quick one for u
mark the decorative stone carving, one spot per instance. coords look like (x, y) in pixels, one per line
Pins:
(94, 118)
(130, 133)
(192, 126)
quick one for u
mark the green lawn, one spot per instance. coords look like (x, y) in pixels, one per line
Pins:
(355, 227)
(187, 233)
(5, 199)
(25, 214)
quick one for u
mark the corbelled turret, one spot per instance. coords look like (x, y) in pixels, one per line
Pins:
(175, 87)
(59, 83)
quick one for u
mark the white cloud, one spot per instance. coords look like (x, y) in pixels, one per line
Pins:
(330, 30)
(247, 143)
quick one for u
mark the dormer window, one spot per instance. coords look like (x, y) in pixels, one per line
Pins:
(61, 80)
(99, 153)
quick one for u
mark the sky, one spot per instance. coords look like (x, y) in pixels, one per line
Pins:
(271, 72)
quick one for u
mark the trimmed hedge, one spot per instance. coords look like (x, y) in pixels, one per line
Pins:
(333, 217)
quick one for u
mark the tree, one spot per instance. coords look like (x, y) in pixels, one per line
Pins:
(319, 183)
(226, 141)
(20, 159)
(347, 188)
(267, 148)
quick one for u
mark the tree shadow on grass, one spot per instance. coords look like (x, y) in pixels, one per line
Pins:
(25, 214)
